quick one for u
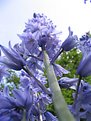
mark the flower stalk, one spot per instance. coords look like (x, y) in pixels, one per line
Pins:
(37, 81)
(60, 105)
(24, 116)
(77, 89)
(56, 55)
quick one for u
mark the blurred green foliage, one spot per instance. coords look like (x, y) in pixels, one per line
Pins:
(70, 61)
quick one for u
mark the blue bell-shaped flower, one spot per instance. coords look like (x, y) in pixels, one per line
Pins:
(70, 42)
(84, 68)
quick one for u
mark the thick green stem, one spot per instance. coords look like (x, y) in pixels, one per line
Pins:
(60, 105)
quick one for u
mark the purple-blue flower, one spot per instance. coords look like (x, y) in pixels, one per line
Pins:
(84, 68)
(3, 72)
(66, 82)
(40, 33)
(23, 97)
(50, 117)
(70, 42)
(59, 70)
(82, 108)
(85, 44)
(13, 59)
(12, 107)
(8, 109)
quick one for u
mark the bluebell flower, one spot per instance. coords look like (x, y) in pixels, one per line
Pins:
(25, 81)
(20, 48)
(29, 42)
(39, 106)
(12, 107)
(12, 60)
(59, 70)
(40, 33)
(34, 113)
(49, 116)
(8, 109)
(85, 44)
(35, 65)
(10, 115)
(3, 72)
(66, 82)
(84, 68)
(82, 108)
(85, 47)
(70, 42)
(23, 98)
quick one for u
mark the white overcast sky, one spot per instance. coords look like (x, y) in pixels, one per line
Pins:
(63, 13)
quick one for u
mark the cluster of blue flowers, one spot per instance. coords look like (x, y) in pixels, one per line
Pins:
(29, 101)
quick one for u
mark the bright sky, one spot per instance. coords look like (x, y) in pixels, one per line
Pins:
(63, 13)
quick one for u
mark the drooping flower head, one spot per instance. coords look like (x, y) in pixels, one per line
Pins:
(50, 117)
(70, 42)
(12, 107)
(85, 44)
(12, 60)
(3, 72)
(84, 68)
